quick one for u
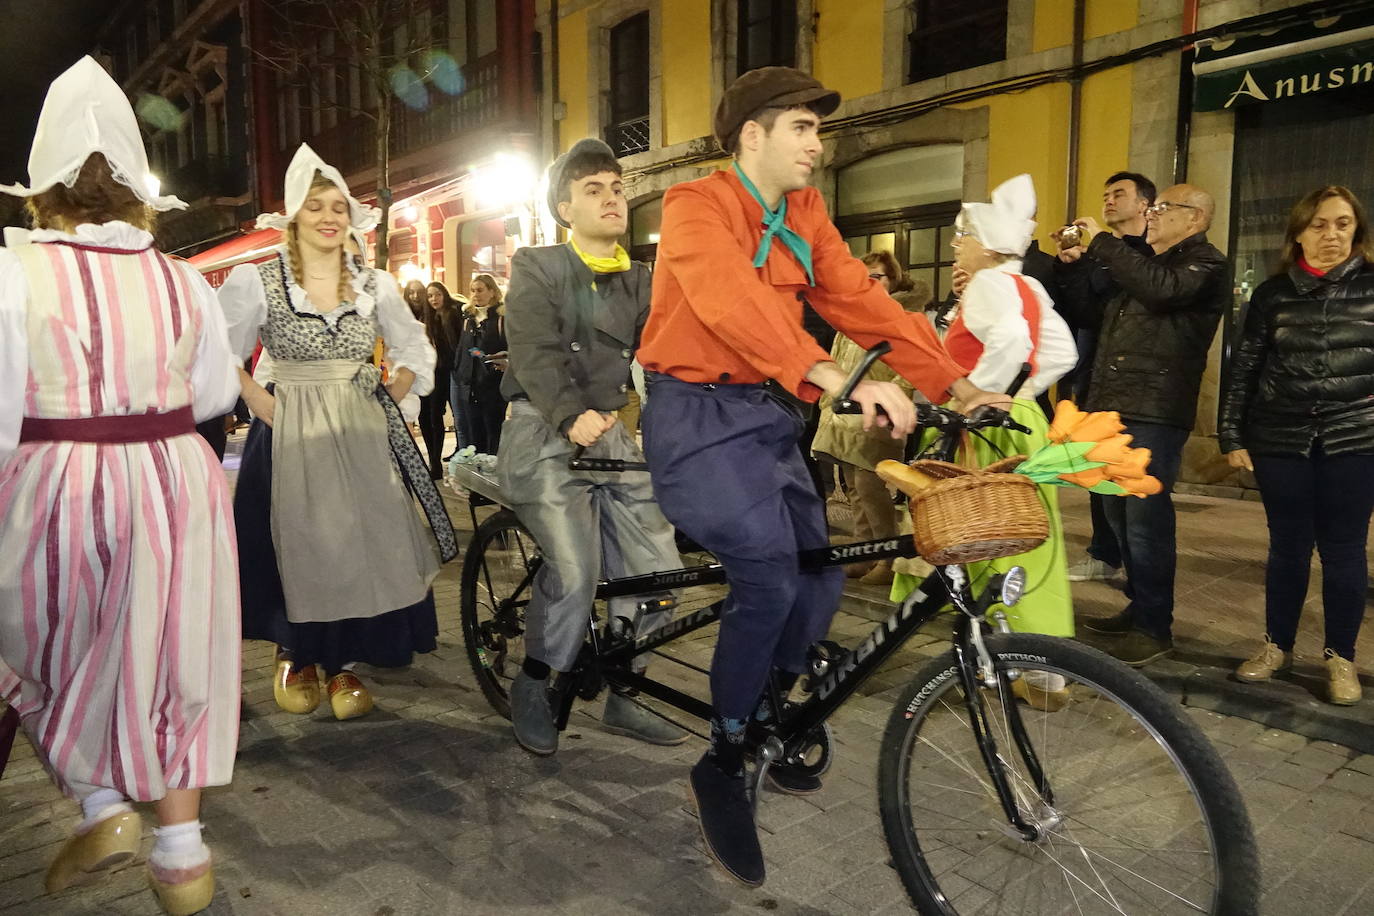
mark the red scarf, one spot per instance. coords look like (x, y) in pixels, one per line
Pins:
(1302, 262)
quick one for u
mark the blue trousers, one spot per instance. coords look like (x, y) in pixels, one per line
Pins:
(1326, 501)
(1145, 529)
(728, 473)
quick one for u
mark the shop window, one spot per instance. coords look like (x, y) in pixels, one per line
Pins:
(645, 220)
(904, 201)
(628, 131)
(950, 36)
(909, 177)
(767, 34)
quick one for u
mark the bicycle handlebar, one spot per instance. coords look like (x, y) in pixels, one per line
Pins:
(929, 416)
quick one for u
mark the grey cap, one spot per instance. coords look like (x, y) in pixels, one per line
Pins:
(584, 147)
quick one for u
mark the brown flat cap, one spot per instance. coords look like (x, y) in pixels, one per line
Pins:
(770, 87)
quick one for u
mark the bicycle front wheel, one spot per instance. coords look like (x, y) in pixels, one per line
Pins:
(498, 569)
(1136, 812)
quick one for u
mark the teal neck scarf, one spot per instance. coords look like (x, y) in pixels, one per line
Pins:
(774, 224)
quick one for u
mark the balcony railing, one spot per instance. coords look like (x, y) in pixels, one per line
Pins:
(352, 143)
(629, 137)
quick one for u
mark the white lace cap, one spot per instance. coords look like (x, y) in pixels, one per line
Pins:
(86, 112)
(299, 176)
(1007, 224)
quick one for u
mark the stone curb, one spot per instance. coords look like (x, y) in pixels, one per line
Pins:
(1291, 702)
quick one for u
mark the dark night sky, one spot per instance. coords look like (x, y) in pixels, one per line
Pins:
(38, 40)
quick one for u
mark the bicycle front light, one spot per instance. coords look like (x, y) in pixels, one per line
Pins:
(1013, 586)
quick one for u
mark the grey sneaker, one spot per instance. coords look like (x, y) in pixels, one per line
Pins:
(624, 716)
(1090, 569)
(531, 716)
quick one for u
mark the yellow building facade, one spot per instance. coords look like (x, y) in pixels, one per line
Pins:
(942, 100)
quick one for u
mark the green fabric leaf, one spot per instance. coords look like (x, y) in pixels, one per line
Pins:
(1108, 488)
(1066, 456)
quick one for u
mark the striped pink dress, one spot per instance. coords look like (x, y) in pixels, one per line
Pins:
(119, 615)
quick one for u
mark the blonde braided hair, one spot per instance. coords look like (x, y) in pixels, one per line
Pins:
(293, 249)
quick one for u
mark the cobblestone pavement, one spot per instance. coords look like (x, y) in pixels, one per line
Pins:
(427, 807)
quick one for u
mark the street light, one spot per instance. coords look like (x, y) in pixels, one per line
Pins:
(507, 181)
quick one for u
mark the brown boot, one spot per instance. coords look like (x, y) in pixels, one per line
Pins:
(1345, 683)
(858, 570)
(1265, 663)
(880, 574)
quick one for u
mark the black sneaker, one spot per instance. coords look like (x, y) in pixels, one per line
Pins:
(1115, 625)
(532, 716)
(727, 821)
(792, 780)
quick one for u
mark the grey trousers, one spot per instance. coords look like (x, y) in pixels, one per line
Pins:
(587, 525)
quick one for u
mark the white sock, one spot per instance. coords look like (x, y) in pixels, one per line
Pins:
(179, 846)
(99, 805)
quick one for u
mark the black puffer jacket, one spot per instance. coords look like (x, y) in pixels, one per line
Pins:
(1157, 330)
(1304, 366)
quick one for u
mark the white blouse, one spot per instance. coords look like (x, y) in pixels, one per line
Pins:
(406, 344)
(992, 311)
(214, 371)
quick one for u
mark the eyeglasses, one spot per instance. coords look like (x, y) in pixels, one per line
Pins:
(878, 276)
(1164, 206)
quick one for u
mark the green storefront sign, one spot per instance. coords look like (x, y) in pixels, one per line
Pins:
(1251, 72)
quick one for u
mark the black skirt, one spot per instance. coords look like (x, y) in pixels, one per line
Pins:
(387, 640)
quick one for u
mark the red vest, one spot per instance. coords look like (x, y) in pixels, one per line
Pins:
(966, 349)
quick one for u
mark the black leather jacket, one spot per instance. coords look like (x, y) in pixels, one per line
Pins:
(1303, 368)
(1157, 330)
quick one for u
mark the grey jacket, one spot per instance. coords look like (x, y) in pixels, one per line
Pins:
(571, 346)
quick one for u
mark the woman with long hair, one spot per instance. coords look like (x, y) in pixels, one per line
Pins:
(336, 563)
(417, 298)
(443, 323)
(482, 362)
(1298, 411)
(119, 636)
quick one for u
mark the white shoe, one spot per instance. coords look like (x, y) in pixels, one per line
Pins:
(1090, 569)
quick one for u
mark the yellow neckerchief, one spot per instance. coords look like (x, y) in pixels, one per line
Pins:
(615, 264)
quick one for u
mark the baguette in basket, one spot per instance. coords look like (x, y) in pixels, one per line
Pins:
(961, 515)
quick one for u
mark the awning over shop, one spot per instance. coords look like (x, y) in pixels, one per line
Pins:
(1334, 53)
(215, 263)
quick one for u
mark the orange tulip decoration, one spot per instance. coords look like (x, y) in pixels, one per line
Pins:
(1090, 450)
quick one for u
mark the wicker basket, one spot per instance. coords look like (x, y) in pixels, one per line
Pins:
(971, 514)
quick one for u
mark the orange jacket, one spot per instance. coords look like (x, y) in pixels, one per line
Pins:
(717, 318)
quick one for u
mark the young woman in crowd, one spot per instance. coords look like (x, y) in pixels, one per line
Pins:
(119, 637)
(417, 298)
(482, 362)
(1298, 411)
(336, 563)
(443, 324)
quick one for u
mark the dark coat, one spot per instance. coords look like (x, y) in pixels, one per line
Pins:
(1303, 369)
(487, 336)
(1157, 330)
(1086, 286)
(571, 346)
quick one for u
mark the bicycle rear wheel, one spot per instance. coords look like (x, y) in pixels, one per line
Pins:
(1140, 816)
(497, 571)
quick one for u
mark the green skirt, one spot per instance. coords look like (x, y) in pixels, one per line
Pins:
(1047, 606)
